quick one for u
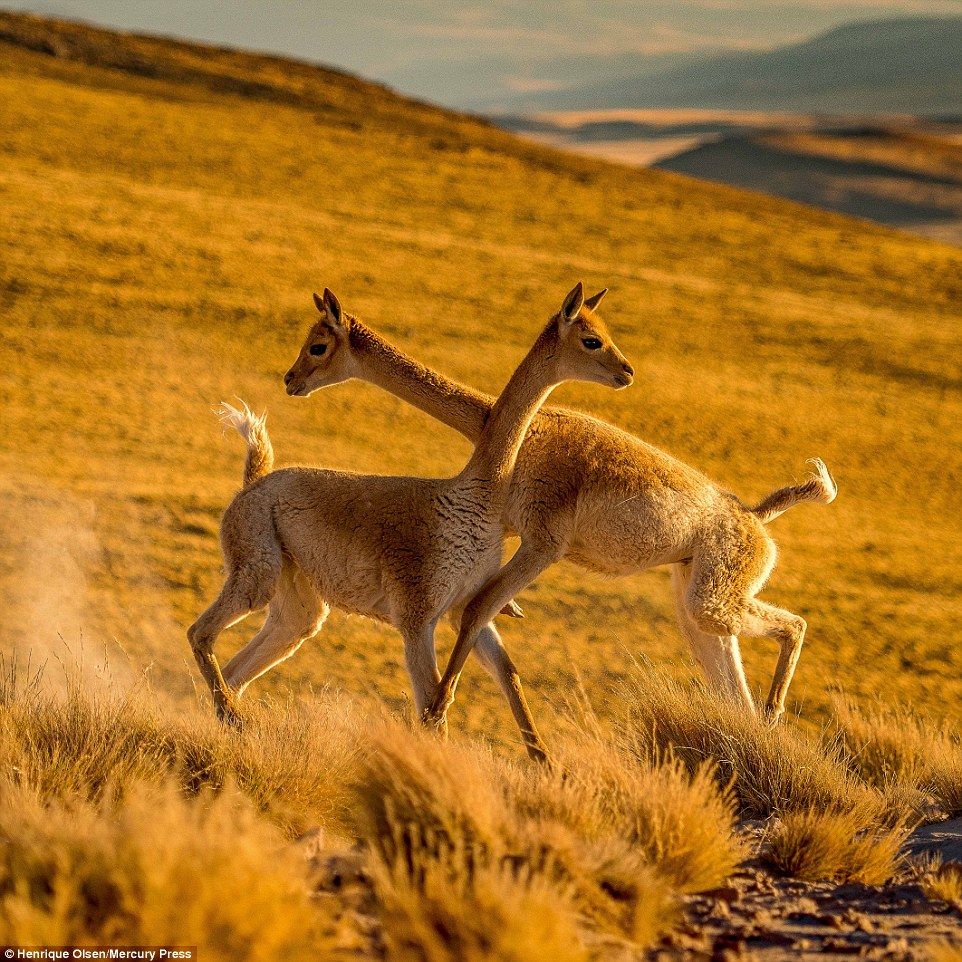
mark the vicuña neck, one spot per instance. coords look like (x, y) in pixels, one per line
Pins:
(447, 401)
(497, 449)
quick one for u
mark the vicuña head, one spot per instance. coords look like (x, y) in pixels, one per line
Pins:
(335, 347)
(585, 350)
(326, 356)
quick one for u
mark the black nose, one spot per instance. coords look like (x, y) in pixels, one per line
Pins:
(628, 369)
(288, 377)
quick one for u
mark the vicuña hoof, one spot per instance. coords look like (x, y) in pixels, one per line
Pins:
(435, 721)
(539, 753)
(773, 715)
(227, 712)
(513, 610)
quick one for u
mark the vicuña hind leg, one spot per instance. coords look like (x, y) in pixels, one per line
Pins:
(296, 614)
(245, 590)
(727, 608)
(720, 599)
(718, 655)
(765, 620)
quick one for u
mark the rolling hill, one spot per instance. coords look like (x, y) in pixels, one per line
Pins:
(167, 210)
(908, 178)
(909, 65)
(898, 171)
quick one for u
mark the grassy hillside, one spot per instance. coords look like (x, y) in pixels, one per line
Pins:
(167, 211)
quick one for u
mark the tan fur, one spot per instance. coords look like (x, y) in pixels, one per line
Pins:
(399, 549)
(593, 494)
(819, 487)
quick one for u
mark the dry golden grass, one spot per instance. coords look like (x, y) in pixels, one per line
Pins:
(164, 222)
(841, 846)
(166, 214)
(118, 809)
(439, 910)
(771, 770)
(944, 882)
(422, 800)
(149, 867)
(897, 750)
(452, 835)
(293, 763)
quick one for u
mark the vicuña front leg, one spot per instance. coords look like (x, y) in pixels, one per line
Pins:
(422, 665)
(497, 661)
(527, 563)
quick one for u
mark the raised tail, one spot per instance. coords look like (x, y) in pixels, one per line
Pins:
(253, 429)
(819, 487)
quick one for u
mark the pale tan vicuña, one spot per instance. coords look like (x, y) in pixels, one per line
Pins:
(399, 549)
(589, 492)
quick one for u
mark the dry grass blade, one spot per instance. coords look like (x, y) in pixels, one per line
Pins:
(891, 746)
(449, 908)
(944, 882)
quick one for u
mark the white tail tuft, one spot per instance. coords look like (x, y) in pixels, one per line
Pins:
(819, 487)
(243, 420)
(824, 478)
(253, 429)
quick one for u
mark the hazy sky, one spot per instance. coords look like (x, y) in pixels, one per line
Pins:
(462, 53)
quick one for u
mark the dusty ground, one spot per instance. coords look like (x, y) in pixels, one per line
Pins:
(768, 917)
(772, 918)
(756, 915)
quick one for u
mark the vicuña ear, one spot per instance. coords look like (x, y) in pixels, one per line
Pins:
(319, 303)
(333, 306)
(592, 302)
(573, 303)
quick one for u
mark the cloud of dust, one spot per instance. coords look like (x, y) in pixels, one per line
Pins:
(48, 545)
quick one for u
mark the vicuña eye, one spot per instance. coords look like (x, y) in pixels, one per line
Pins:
(318, 349)
(592, 343)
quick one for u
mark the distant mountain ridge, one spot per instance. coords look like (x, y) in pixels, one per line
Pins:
(902, 65)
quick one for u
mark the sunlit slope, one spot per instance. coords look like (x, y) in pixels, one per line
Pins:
(164, 220)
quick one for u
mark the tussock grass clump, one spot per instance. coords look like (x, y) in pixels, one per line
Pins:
(452, 909)
(895, 747)
(458, 810)
(770, 770)
(470, 855)
(291, 760)
(78, 744)
(150, 868)
(682, 822)
(943, 882)
(411, 788)
(838, 846)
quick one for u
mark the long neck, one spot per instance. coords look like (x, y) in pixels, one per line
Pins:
(497, 449)
(447, 401)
